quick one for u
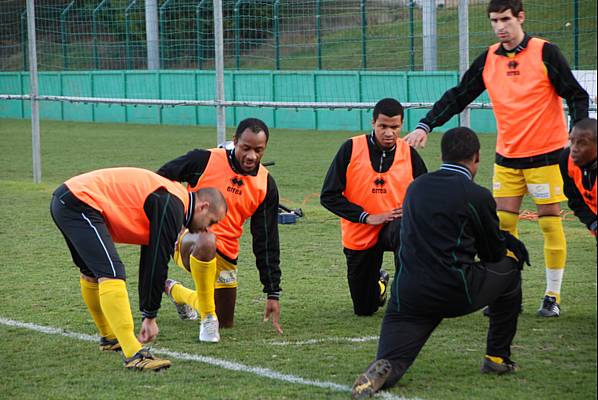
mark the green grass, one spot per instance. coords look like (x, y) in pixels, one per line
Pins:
(40, 285)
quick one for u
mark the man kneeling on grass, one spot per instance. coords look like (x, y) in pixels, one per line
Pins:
(128, 205)
(196, 253)
(448, 220)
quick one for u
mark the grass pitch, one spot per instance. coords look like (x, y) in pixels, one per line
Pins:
(324, 346)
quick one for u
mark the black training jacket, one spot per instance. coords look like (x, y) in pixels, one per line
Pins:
(449, 224)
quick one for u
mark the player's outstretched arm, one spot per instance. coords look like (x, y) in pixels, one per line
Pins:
(417, 138)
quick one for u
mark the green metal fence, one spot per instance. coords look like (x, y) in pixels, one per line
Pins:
(274, 34)
(359, 86)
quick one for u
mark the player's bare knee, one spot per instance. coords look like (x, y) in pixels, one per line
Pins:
(549, 210)
(205, 246)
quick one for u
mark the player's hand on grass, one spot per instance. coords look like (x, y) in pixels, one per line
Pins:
(417, 138)
(273, 312)
(149, 330)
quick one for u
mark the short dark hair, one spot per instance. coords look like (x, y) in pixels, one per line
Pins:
(254, 125)
(587, 125)
(389, 107)
(459, 144)
(498, 6)
(214, 197)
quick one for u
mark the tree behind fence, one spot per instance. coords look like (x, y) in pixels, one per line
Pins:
(274, 34)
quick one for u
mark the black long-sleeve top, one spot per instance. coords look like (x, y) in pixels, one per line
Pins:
(331, 196)
(166, 215)
(263, 223)
(448, 221)
(575, 199)
(454, 100)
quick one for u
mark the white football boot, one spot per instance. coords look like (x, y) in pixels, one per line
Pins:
(209, 329)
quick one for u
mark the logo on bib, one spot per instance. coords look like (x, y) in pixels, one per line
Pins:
(513, 68)
(236, 186)
(379, 183)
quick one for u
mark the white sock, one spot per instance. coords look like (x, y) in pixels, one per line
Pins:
(554, 278)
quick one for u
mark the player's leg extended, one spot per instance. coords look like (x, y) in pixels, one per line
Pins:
(401, 339)
(184, 301)
(545, 185)
(225, 294)
(202, 298)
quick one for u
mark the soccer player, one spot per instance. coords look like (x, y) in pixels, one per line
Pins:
(448, 224)
(365, 186)
(127, 205)
(578, 168)
(525, 78)
(250, 192)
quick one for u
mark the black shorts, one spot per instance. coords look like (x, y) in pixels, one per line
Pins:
(86, 235)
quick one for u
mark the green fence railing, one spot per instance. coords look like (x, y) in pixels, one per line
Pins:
(281, 86)
(275, 34)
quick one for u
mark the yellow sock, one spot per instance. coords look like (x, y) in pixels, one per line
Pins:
(508, 222)
(204, 276)
(498, 360)
(382, 287)
(555, 244)
(555, 254)
(114, 300)
(91, 296)
(556, 295)
(202, 299)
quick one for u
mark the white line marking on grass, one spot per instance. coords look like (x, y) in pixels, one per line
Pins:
(323, 340)
(49, 330)
(230, 365)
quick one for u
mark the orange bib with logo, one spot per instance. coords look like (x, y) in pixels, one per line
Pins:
(529, 113)
(119, 194)
(243, 193)
(589, 196)
(376, 192)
